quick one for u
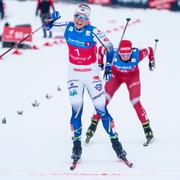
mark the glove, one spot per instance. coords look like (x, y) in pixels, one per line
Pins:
(107, 73)
(151, 65)
(101, 66)
(55, 15)
(49, 22)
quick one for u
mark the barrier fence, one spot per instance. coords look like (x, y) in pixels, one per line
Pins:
(173, 5)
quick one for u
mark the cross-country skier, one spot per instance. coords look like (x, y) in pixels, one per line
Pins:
(125, 70)
(83, 72)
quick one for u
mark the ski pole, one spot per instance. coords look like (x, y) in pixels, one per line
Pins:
(127, 21)
(26, 37)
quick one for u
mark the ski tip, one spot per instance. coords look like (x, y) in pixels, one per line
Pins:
(72, 168)
(148, 142)
(74, 164)
(87, 141)
(145, 144)
(129, 164)
(85, 144)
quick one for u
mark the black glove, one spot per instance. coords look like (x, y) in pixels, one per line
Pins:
(101, 66)
(107, 73)
(151, 65)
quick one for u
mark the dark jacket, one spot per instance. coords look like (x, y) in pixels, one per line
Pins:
(1, 9)
(43, 7)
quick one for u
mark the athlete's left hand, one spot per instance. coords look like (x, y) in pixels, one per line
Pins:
(107, 73)
(152, 65)
(101, 66)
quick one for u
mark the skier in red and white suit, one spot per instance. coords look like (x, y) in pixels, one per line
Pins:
(125, 70)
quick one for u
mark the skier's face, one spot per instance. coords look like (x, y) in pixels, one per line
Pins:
(80, 20)
(125, 56)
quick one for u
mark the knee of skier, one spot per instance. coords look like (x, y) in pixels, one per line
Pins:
(103, 114)
(135, 101)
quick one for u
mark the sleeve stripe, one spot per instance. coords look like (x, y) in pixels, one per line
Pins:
(99, 39)
(59, 25)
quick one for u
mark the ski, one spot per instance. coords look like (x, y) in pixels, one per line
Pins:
(149, 141)
(87, 140)
(127, 163)
(74, 164)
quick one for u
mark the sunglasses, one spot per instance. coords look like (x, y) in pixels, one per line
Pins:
(81, 17)
(125, 56)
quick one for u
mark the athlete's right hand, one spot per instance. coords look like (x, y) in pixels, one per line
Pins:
(55, 15)
(49, 22)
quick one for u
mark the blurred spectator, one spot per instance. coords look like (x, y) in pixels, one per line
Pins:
(1, 9)
(5, 25)
(43, 9)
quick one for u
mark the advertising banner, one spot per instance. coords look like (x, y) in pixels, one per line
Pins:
(14, 34)
(100, 1)
(173, 5)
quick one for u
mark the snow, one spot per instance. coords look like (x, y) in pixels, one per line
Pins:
(37, 144)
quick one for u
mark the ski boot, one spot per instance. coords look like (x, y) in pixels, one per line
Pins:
(76, 151)
(50, 34)
(91, 129)
(117, 147)
(44, 33)
(121, 154)
(148, 133)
